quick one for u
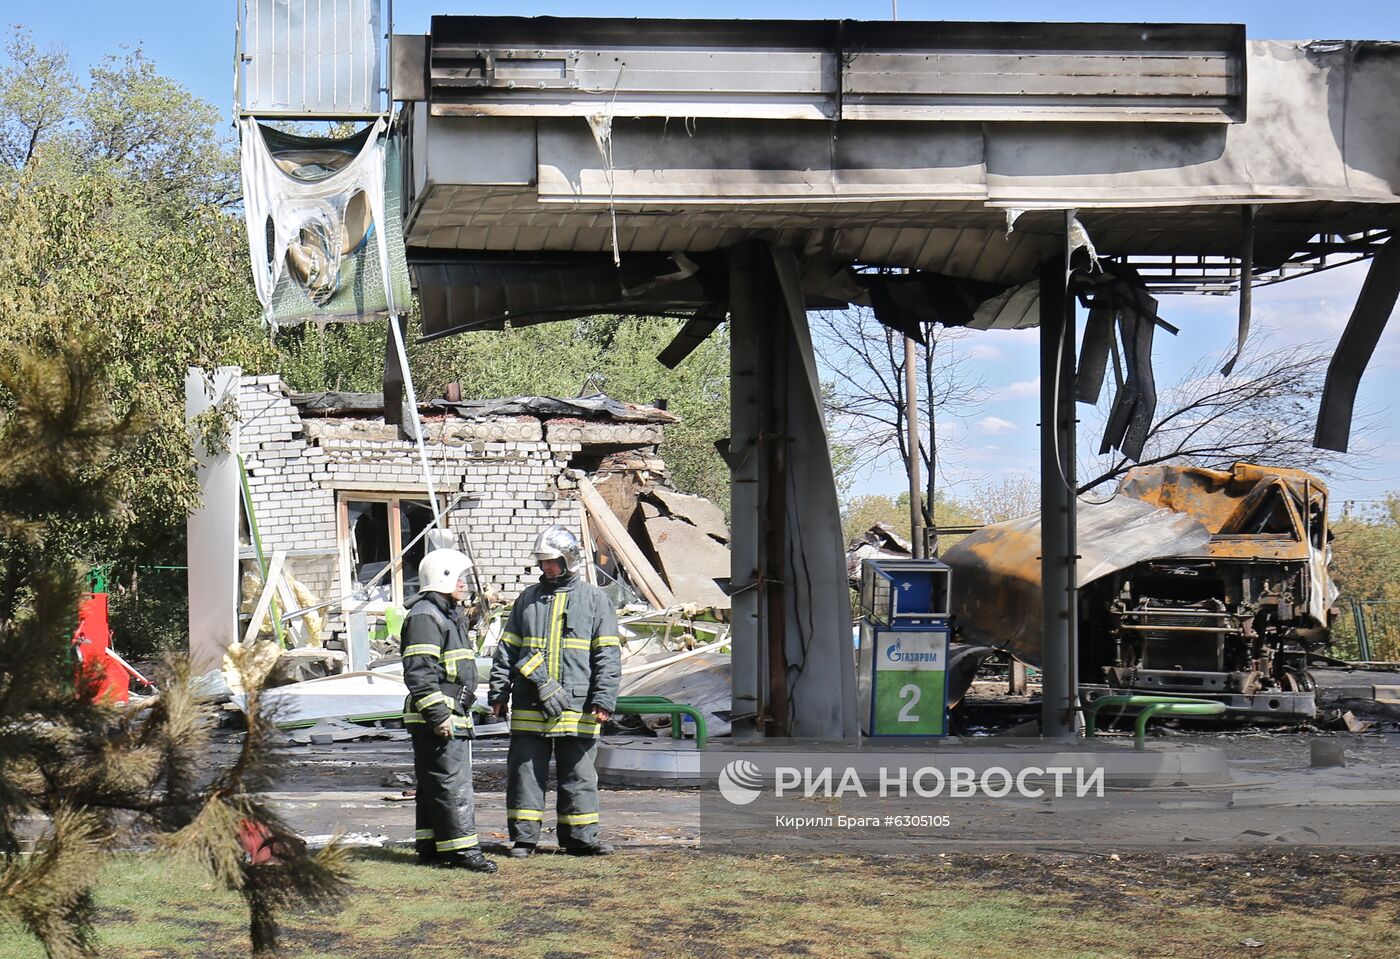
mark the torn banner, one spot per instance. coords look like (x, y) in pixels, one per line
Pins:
(324, 224)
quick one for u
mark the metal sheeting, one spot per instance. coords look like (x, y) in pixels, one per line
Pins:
(828, 70)
(997, 569)
(1318, 153)
(485, 292)
(1044, 72)
(311, 59)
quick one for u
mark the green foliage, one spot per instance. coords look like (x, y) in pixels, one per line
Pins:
(126, 119)
(619, 356)
(1366, 568)
(344, 357)
(859, 513)
(86, 774)
(150, 612)
(86, 260)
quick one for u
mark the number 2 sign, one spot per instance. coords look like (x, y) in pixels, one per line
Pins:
(909, 683)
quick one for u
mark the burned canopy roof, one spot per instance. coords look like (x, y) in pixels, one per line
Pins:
(560, 167)
(935, 147)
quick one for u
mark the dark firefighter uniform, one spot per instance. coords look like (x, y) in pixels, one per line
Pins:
(439, 668)
(562, 630)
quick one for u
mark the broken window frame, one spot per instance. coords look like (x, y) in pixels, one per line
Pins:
(344, 540)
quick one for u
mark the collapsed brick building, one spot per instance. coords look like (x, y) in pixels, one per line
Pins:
(341, 491)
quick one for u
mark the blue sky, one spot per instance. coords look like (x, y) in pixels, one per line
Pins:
(193, 42)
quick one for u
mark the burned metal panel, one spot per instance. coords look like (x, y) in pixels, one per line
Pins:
(1297, 144)
(934, 196)
(998, 599)
(1043, 72)
(749, 159)
(1215, 497)
(465, 292)
(825, 70)
(521, 66)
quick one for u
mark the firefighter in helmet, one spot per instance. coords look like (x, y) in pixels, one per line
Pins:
(557, 669)
(439, 668)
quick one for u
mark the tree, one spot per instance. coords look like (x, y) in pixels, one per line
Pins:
(126, 119)
(87, 260)
(697, 391)
(92, 773)
(1366, 569)
(617, 354)
(1011, 497)
(1264, 413)
(859, 513)
(865, 391)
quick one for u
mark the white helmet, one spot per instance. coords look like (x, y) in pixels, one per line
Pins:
(442, 569)
(557, 542)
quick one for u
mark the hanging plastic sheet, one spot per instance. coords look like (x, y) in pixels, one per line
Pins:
(324, 224)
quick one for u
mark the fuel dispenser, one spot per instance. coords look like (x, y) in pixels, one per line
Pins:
(902, 681)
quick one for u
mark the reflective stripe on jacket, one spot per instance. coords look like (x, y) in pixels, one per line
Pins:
(439, 664)
(567, 632)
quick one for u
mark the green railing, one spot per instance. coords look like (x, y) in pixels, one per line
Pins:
(661, 706)
(1150, 706)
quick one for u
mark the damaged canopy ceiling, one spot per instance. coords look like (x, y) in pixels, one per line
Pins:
(876, 145)
(561, 167)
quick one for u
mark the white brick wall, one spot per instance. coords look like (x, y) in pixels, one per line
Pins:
(513, 466)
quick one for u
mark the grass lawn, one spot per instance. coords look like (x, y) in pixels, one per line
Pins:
(678, 903)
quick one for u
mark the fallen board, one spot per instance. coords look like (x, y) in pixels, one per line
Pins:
(690, 559)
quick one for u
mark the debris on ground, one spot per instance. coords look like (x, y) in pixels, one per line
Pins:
(327, 731)
(355, 697)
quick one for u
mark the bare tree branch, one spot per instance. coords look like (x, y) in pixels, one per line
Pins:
(1264, 413)
(865, 398)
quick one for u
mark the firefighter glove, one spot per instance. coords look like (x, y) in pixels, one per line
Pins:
(553, 699)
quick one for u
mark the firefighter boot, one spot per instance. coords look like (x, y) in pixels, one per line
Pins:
(471, 860)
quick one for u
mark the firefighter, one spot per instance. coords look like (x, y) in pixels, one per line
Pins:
(439, 668)
(558, 665)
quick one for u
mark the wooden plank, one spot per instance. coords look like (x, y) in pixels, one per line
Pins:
(615, 535)
(297, 627)
(590, 570)
(274, 573)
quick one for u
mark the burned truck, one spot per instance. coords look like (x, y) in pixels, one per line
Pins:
(1192, 581)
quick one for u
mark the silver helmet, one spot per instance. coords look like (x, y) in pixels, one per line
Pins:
(557, 542)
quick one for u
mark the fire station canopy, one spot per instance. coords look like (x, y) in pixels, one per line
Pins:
(537, 148)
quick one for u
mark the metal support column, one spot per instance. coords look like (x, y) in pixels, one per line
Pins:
(911, 413)
(1059, 599)
(793, 659)
(748, 333)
